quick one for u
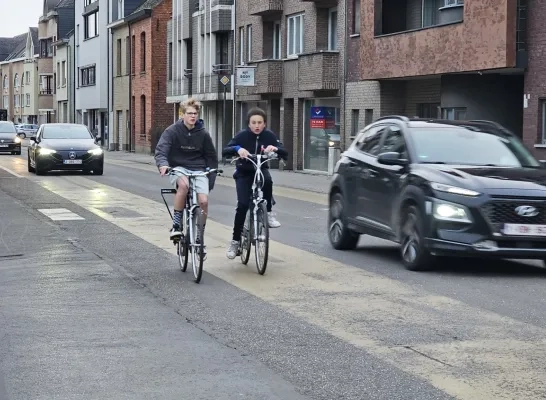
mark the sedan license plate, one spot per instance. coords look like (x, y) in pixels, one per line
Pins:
(72, 161)
(4, 145)
(524, 230)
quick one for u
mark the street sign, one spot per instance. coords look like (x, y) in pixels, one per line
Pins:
(245, 76)
(224, 80)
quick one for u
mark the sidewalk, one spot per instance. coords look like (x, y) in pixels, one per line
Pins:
(305, 181)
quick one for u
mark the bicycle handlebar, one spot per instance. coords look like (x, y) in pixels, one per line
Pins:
(251, 157)
(170, 171)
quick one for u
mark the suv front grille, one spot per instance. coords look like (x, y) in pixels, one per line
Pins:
(504, 212)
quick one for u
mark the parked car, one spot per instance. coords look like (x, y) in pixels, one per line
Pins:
(9, 141)
(64, 146)
(27, 130)
(440, 188)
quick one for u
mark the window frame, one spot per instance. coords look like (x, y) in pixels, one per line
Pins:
(277, 40)
(291, 36)
(333, 36)
(86, 25)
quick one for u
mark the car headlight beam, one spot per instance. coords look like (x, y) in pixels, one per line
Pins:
(444, 211)
(95, 152)
(17, 139)
(44, 152)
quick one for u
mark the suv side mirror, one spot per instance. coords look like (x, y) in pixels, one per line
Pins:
(391, 158)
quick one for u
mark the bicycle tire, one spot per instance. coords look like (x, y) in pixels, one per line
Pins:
(183, 244)
(246, 238)
(262, 219)
(198, 250)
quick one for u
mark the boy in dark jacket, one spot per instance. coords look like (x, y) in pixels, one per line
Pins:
(187, 144)
(250, 141)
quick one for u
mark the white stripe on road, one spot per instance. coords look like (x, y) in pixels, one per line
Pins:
(468, 352)
(11, 172)
(60, 214)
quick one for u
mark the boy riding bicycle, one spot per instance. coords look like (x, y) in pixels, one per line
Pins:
(187, 144)
(251, 141)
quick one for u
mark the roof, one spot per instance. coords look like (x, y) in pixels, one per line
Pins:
(12, 48)
(65, 4)
(148, 5)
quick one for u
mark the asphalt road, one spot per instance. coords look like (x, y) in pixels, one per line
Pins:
(113, 315)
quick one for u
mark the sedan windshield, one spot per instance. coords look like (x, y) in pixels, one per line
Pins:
(66, 132)
(459, 145)
(7, 128)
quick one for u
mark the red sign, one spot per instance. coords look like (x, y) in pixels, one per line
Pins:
(318, 123)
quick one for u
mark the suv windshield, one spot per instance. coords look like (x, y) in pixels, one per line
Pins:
(459, 145)
(66, 132)
(7, 128)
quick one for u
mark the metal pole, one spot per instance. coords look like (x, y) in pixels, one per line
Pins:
(224, 128)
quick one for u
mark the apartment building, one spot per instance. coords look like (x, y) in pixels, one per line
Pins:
(200, 54)
(452, 59)
(150, 114)
(91, 66)
(119, 75)
(64, 62)
(18, 77)
(295, 50)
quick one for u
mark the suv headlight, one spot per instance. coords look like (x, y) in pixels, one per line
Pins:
(17, 139)
(454, 190)
(452, 212)
(44, 151)
(95, 152)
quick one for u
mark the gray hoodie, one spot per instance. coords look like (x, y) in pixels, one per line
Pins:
(180, 147)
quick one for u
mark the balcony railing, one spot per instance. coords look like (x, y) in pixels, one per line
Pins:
(46, 91)
(265, 7)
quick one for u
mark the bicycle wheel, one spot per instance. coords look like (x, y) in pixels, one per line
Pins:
(197, 250)
(262, 239)
(182, 245)
(246, 239)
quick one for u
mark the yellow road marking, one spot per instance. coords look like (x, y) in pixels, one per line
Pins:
(494, 358)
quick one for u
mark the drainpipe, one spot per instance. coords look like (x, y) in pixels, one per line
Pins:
(345, 64)
(108, 33)
(130, 116)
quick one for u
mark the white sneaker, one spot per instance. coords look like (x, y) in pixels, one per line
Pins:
(232, 250)
(272, 221)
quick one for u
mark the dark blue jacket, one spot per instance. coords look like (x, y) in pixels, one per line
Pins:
(253, 143)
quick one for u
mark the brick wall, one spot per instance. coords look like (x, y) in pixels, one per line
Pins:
(421, 91)
(151, 84)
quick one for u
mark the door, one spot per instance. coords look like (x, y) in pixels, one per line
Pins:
(389, 180)
(362, 167)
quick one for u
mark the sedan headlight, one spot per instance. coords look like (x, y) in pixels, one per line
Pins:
(331, 144)
(454, 190)
(95, 152)
(450, 212)
(45, 152)
(17, 139)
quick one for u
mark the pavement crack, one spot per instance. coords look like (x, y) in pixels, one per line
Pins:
(427, 356)
(12, 255)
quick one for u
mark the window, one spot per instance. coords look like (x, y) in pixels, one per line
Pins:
(6, 101)
(63, 73)
(430, 12)
(58, 74)
(277, 40)
(241, 45)
(46, 48)
(118, 57)
(120, 9)
(332, 29)
(16, 81)
(127, 55)
(368, 142)
(6, 82)
(87, 2)
(453, 2)
(133, 48)
(394, 141)
(66, 132)
(170, 63)
(87, 76)
(143, 52)
(427, 110)
(454, 113)
(143, 115)
(46, 84)
(368, 116)
(28, 99)
(249, 42)
(91, 25)
(356, 16)
(16, 100)
(294, 35)
(543, 109)
(354, 121)
(222, 49)
(27, 74)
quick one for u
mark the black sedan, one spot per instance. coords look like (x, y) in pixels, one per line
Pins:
(9, 141)
(64, 147)
(440, 188)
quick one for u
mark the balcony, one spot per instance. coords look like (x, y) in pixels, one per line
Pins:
(265, 7)
(268, 77)
(179, 87)
(433, 37)
(319, 71)
(322, 3)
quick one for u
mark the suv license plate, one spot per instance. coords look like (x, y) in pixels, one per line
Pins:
(72, 161)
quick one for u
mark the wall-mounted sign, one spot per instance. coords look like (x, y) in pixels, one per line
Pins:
(245, 76)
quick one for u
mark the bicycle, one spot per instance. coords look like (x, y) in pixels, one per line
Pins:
(192, 222)
(257, 214)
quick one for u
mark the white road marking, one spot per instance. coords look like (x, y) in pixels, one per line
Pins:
(493, 357)
(60, 214)
(11, 172)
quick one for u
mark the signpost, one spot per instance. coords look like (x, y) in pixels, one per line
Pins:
(225, 71)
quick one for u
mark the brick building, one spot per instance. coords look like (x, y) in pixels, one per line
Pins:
(295, 49)
(150, 113)
(200, 48)
(441, 58)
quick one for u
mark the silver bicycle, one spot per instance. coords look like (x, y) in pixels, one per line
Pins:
(192, 225)
(256, 227)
